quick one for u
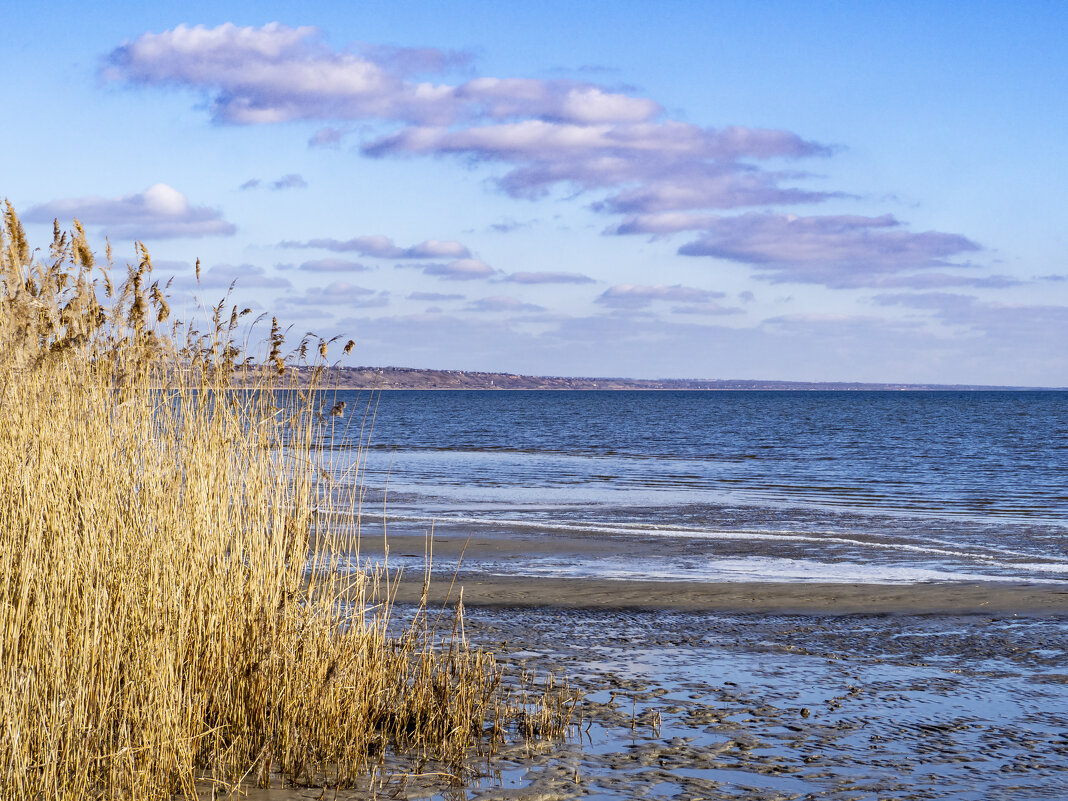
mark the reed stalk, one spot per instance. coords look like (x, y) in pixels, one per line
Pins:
(176, 601)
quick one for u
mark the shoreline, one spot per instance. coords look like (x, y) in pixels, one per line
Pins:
(416, 378)
(484, 588)
(805, 598)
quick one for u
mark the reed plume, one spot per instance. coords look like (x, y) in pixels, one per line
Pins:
(176, 599)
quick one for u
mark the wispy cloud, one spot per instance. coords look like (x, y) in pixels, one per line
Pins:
(334, 266)
(661, 223)
(653, 165)
(458, 270)
(160, 212)
(435, 296)
(1017, 325)
(942, 281)
(382, 247)
(327, 137)
(338, 293)
(709, 309)
(549, 278)
(507, 226)
(498, 303)
(837, 251)
(632, 296)
(291, 181)
(223, 276)
(840, 331)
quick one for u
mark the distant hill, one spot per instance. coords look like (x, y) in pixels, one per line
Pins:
(413, 378)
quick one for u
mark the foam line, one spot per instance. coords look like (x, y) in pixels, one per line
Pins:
(1054, 564)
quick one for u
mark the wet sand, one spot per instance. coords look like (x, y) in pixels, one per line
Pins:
(781, 598)
(769, 707)
(752, 690)
(480, 589)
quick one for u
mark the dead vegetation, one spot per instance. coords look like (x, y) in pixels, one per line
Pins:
(164, 621)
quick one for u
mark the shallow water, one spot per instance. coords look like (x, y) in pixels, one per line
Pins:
(772, 708)
(803, 486)
(849, 487)
(777, 707)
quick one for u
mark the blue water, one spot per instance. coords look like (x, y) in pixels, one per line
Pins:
(848, 486)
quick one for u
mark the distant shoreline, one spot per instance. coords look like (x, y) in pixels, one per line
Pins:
(414, 378)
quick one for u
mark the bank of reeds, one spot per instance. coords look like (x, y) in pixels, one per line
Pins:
(163, 620)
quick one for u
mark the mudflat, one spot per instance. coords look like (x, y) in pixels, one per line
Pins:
(511, 588)
(781, 598)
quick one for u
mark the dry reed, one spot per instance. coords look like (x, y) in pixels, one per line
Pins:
(164, 620)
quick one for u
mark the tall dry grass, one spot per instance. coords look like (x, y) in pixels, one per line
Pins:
(163, 620)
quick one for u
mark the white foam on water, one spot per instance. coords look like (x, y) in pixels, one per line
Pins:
(988, 555)
(744, 569)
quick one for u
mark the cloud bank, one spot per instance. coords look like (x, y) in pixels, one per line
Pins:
(663, 175)
(839, 251)
(276, 73)
(549, 132)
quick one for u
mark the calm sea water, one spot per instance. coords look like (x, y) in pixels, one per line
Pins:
(838, 486)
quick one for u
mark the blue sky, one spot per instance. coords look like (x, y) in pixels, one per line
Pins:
(796, 190)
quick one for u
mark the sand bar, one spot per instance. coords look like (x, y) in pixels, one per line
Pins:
(766, 597)
(482, 588)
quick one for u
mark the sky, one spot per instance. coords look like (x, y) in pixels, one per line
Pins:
(815, 191)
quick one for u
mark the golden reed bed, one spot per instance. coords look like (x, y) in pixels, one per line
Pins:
(163, 621)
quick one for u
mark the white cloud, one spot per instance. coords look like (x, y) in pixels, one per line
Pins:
(551, 132)
(275, 73)
(663, 174)
(160, 212)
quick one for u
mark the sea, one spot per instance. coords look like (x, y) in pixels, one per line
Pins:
(793, 486)
(785, 486)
